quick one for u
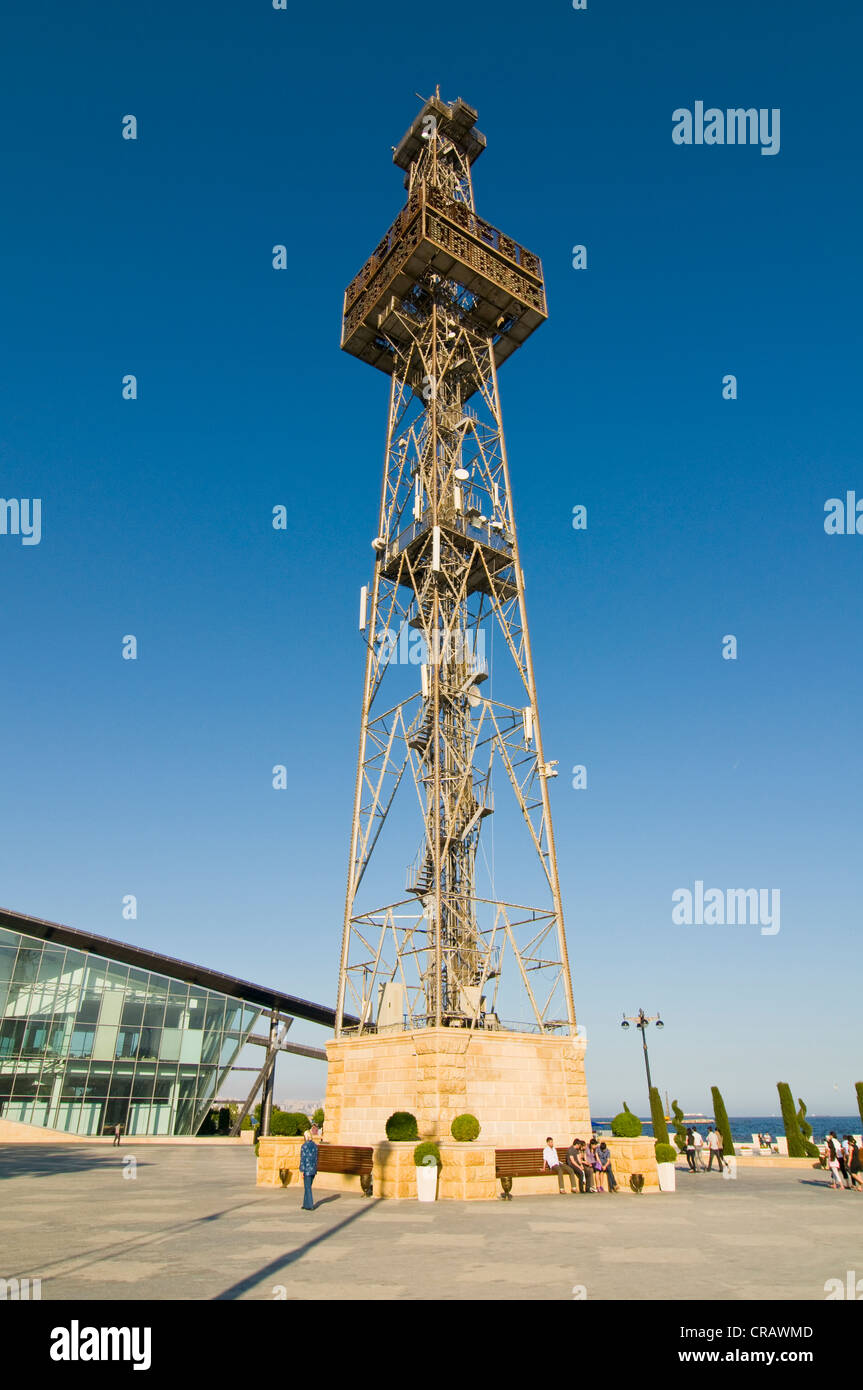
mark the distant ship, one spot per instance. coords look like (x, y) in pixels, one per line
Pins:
(688, 1118)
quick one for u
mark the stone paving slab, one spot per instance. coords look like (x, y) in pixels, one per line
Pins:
(192, 1225)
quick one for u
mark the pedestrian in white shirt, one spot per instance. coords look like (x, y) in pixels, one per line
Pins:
(714, 1144)
(698, 1141)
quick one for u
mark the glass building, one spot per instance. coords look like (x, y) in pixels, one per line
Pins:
(88, 1042)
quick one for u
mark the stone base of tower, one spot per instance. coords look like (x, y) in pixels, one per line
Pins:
(520, 1086)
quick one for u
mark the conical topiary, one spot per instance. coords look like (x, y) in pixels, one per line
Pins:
(720, 1116)
(657, 1115)
(796, 1147)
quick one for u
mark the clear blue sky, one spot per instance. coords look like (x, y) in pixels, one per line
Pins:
(705, 516)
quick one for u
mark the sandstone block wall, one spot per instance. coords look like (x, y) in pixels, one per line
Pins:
(520, 1086)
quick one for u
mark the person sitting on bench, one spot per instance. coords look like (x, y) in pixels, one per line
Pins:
(575, 1161)
(552, 1164)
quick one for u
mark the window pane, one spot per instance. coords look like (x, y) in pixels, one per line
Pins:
(105, 1041)
(81, 1044)
(88, 1008)
(190, 1047)
(142, 1085)
(154, 1013)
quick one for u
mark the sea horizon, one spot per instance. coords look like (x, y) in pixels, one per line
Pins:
(744, 1126)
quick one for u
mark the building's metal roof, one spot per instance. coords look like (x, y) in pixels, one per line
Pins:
(263, 995)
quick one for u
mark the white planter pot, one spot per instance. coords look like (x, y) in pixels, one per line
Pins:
(427, 1182)
(666, 1176)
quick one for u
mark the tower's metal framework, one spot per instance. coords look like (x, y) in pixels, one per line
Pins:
(442, 301)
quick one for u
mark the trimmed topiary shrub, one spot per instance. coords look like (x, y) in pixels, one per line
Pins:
(679, 1127)
(402, 1125)
(665, 1153)
(657, 1115)
(427, 1150)
(720, 1116)
(288, 1123)
(796, 1147)
(246, 1122)
(224, 1120)
(318, 1118)
(465, 1128)
(812, 1150)
(626, 1125)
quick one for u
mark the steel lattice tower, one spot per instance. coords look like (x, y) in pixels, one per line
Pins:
(442, 301)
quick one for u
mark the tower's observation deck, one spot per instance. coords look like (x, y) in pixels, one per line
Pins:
(438, 231)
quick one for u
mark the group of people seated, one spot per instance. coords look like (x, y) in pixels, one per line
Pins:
(585, 1163)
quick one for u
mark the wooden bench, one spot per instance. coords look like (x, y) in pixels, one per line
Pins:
(524, 1163)
(344, 1158)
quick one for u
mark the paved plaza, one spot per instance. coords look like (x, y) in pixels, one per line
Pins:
(192, 1225)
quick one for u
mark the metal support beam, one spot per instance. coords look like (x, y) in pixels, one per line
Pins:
(270, 1077)
(262, 1076)
(300, 1049)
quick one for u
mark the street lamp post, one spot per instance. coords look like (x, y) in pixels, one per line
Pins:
(641, 1020)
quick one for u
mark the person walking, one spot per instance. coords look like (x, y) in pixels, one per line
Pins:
(552, 1164)
(118, 1130)
(831, 1153)
(308, 1168)
(699, 1146)
(855, 1166)
(690, 1150)
(714, 1144)
(845, 1159)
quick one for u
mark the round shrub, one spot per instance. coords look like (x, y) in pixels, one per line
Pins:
(626, 1125)
(288, 1123)
(426, 1151)
(465, 1128)
(318, 1118)
(402, 1125)
(665, 1153)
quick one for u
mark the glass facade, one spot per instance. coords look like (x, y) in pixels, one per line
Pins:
(87, 1043)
